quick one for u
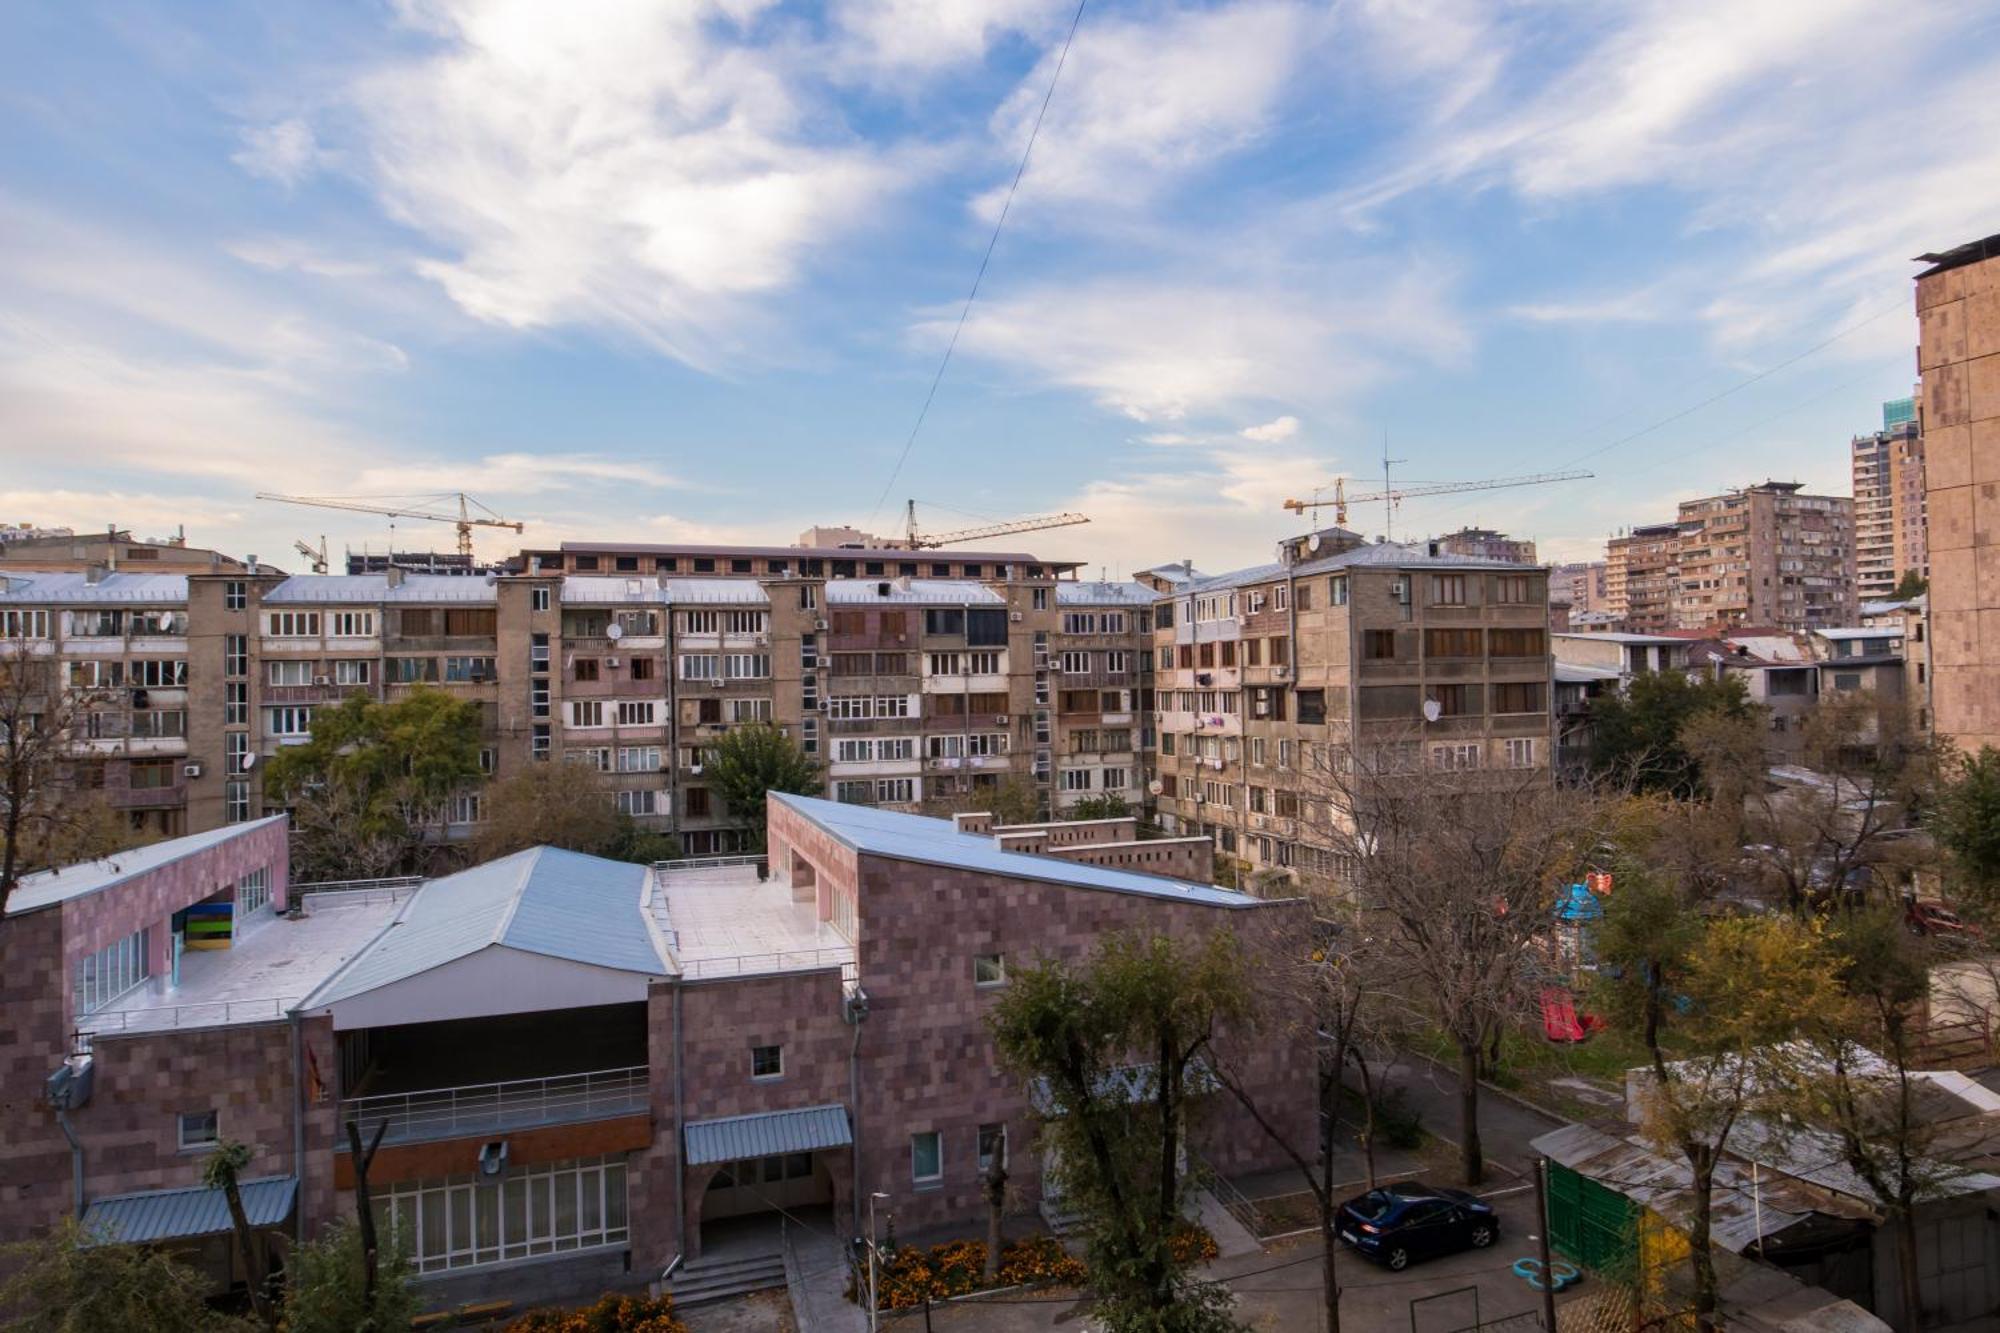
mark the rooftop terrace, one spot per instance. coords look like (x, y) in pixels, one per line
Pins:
(723, 922)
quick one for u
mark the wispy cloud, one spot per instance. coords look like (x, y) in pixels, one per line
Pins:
(286, 152)
(1281, 428)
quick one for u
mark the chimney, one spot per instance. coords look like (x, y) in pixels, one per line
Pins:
(250, 563)
(95, 573)
(394, 574)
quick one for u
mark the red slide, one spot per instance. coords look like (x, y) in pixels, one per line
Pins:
(1559, 1020)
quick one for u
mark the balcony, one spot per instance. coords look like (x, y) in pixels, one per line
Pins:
(481, 1108)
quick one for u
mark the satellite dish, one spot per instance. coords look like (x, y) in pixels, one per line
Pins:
(614, 632)
(1157, 787)
(1432, 710)
(1312, 542)
(249, 761)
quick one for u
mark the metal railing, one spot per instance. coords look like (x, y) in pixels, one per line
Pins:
(709, 862)
(214, 1013)
(757, 964)
(475, 1108)
(357, 885)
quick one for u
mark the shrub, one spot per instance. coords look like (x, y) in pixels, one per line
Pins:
(611, 1314)
(1397, 1123)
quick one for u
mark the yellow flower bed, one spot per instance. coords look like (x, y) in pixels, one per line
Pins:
(911, 1275)
(611, 1314)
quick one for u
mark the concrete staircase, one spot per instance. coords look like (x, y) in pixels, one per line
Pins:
(705, 1280)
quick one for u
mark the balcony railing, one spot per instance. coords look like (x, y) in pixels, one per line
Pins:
(443, 1113)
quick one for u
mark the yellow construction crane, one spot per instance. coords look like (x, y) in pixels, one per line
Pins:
(1393, 496)
(465, 520)
(918, 541)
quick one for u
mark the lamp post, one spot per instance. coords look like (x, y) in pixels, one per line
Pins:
(874, 1295)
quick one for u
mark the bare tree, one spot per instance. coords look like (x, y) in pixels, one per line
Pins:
(46, 818)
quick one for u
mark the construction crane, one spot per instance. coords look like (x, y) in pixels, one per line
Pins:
(465, 520)
(918, 541)
(1393, 496)
(315, 554)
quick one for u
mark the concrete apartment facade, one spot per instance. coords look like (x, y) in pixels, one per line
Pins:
(1958, 356)
(1765, 555)
(1487, 544)
(1429, 658)
(1642, 572)
(581, 1065)
(1584, 586)
(1889, 513)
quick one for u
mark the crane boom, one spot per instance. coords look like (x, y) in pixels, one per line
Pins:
(465, 520)
(918, 541)
(1397, 494)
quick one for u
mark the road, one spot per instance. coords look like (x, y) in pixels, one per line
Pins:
(1505, 1126)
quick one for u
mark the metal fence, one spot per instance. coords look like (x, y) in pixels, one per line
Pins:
(474, 1108)
(759, 964)
(213, 1013)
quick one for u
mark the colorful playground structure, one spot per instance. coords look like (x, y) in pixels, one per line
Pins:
(1574, 959)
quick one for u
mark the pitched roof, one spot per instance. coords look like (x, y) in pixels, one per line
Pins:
(364, 589)
(544, 900)
(155, 1215)
(1093, 593)
(45, 888)
(735, 1137)
(936, 842)
(22, 587)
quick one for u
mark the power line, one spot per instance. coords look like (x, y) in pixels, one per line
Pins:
(985, 259)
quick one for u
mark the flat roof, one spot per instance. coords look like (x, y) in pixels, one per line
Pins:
(930, 592)
(723, 921)
(45, 888)
(1972, 252)
(364, 589)
(1092, 592)
(1614, 636)
(1870, 632)
(902, 837)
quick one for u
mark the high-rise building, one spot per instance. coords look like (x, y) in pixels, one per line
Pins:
(1958, 354)
(1487, 545)
(1583, 586)
(1765, 555)
(1641, 573)
(1888, 468)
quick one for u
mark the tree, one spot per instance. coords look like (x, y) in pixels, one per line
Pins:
(64, 1282)
(372, 780)
(1636, 735)
(1110, 805)
(1012, 800)
(330, 1290)
(1113, 1046)
(566, 805)
(1717, 1003)
(44, 819)
(220, 1172)
(1965, 819)
(1911, 585)
(749, 762)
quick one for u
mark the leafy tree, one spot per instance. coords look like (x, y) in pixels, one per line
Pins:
(1966, 822)
(1014, 799)
(1912, 584)
(750, 762)
(45, 820)
(1113, 1041)
(1717, 1002)
(566, 805)
(329, 1291)
(60, 1283)
(373, 778)
(1110, 805)
(221, 1172)
(1636, 736)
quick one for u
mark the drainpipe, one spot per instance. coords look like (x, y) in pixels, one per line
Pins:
(680, 1140)
(75, 1158)
(298, 1125)
(854, 1102)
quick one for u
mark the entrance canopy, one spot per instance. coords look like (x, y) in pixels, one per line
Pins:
(733, 1138)
(157, 1215)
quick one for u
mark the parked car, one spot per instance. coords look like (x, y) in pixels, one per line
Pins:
(1398, 1224)
(1939, 922)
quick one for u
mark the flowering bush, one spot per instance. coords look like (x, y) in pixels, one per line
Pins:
(1040, 1259)
(611, 1314)
(910, 1275)
(1193, 1245)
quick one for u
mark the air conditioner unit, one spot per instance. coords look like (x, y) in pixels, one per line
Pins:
(819, 624)
(1280, 672)
(694, 769)
(322, 680)
(1200, 799)
(1016, 617)
(190, 770)
(717, 683)
(763, 641)
(999, 719)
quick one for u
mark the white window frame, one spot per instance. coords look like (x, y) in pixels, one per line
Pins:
(770, 1075)
(208, 1131)
(936, 1177)
(989, 970)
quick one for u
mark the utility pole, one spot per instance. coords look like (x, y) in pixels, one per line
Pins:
(1542, 1243)
(874, 1292)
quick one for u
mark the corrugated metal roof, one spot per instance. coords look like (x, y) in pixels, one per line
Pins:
(45, 888)
(65, 589)
(369, 589)
(544, 900)
(734, 1138)
(934, 592)
(1088, 593)
(612, 590)
(155, 1215)
(812, 552)
(1874, 632)
(937, 842)
(716, 592)
(1608, 636)
(1570, 673)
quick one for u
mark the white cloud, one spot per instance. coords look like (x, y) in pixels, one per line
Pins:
(516, 474)
(890, 39)
(1283, 428)
(286, 152)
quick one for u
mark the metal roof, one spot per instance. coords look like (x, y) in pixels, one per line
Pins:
(367, 589)
(544, 900)
(155, 1215)
(929, 592)
(716, 592)
(1607, 636)
(32, 588)
(45, 888)
(1871, 632)
(612, 590)
(1374, 555)
(733, 1138)
(1091, 593)
(936, 842)
(938, 554)
(1570, 673)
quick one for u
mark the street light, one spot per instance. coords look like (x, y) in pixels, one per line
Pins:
(874, 1295)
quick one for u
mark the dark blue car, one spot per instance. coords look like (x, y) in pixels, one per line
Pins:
(1400, 1223)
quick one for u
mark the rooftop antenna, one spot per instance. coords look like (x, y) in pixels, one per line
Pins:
(1388, 498)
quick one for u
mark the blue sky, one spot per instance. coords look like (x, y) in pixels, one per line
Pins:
(684, 270)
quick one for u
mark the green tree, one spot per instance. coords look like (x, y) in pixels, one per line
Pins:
(46, 819)
(1113, 1043)
(1110, 805)
(328, 1291)
(750, 762)
(566, 805)
(1965, 820)
(1717, 1002)
(1636, 737)
(372, 780)
(1912, 584)
(62, 1283)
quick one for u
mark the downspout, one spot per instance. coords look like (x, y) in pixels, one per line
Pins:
(680, 1140)
(75, 1158)
(298, 1123)
(854, 1105)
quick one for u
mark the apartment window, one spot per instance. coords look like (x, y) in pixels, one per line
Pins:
(1513, 589)
(586, 712)
(1518, 697)
(586, 563)
(295, 721)
(1115, 779)
(1447, 590)
(489, 760)
(746, 666)
(643, 667)
(926, 1158)
(596, 756)
(1077, 664)
(636, 712)
(466, 1221)
(1451, 643)
(895, 791)
(1076, 779)
(464, 670)
(411, 670)
(1257, 750)
(767, 1062)
(944, 622)
(118, 967)
(235, 751)
(989, 969)
(584, 668)
(701, 622)
(150, 774)
(197, 1131)
(699, 666)
(1521, 752)
(464, 809)
(854, 793)
(538, 597)
(1302, 600)
(1518, 643)
(24, 624)
(351, 624)
(288, 673)
(1312, 708)
(638, 758)
(1378, 645)
(1040, 599)
(1336, 590)
(291, 624)
(1456, 700)
(640, 802)
(1455, 758)
(992, 1144)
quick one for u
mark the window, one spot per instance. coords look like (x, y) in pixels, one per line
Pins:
(1075, 664)
(1451, 643)
(1336, 590)
(584, 668)
(103, 976)
(1456, 700)
(489, 760)
(1513, 589)
(701, 622)
(895, 791)
(698, 666)
(1518, 697)
(989, 969)
(1518, 643)
(642, 667)
(944, 622)
(642, 802)
(1847, 680)
(235, 655)
(159, 672)
(236, 800)
(351, 624)
(288, 673)
(1521, 752)
(294, 721)
(1312, 708)
(992, 1144)
(411, 670)
(467, 670)
(638, 758)
(596, 756)
(767, 1062)
(464, 809)
(198, 1131)
(1378, 645)
(1077, 779)
(1447, 590)
(235, 596)
(150, 774)
(235, 752)
(1302, 600)
(291, 624)
(586, 712)
(1115, 779)
(465, 1221)
(1455, 758)
(636, 712)
(746, 710)
(746, 666)
(926, 1158)
(538, 597)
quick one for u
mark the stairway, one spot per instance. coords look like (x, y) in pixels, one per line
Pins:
(703, 1280)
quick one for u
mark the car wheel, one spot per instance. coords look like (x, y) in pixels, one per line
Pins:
(1482, 1236)
(1396, 1260)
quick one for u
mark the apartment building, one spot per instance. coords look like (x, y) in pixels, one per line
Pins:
(1642, 572)
(112, 551)
(1102, 659)
(1889, 523)
(1766, 555)
(1406, 652)
(1487, 544)
(1584, 586)
(1958, 355)
(581, 1068)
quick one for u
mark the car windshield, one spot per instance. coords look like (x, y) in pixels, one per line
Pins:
(1374, 1204)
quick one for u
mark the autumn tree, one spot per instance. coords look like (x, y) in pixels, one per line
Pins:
(1717, 1003)
(223, 1171)
(372, 782)
(68, 1282)
(1114, 1049)
(329, 1289)
(747, 763)
(568, 805)
(1965, 819)
(1636, 735)
(45, 818)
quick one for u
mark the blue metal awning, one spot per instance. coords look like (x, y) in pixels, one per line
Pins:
(135, 1219)
(733, 1138)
